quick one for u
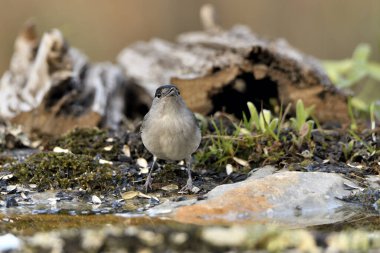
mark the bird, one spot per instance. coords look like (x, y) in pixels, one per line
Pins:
(170, 131)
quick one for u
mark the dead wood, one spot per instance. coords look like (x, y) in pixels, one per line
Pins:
(222, 70)
(52, 88)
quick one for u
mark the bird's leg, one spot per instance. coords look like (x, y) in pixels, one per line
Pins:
(189, 184)
(148, 182)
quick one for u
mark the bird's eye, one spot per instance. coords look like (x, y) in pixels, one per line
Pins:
(158, 94)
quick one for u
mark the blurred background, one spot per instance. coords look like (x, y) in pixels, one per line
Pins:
(326, 29)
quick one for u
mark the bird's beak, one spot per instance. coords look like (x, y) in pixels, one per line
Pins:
(171, 92)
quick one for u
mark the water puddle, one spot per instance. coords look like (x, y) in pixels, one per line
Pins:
(46, 212)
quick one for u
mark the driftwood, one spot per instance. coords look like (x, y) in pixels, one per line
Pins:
(51, 88)
(222, 70)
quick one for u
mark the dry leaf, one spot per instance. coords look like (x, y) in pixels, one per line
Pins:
(108, 148)
(170, 187)
(142, 195)
(241, 161)
(129, 195)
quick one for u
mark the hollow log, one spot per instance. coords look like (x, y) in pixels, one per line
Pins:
(222, 70)
(52, 88)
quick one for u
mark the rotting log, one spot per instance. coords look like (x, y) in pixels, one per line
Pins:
(222, 70)
(52, 88)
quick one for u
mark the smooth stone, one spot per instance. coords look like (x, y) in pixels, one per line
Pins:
(294, 199)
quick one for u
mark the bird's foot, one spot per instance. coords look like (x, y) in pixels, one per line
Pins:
(148, 183)
(188, 187)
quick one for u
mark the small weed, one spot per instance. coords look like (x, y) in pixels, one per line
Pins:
(372, 119)
(347, 149)
(301, 124)
(353, 125)
(355, 71)
(302, 114)
(370, 149)
(222, 147)
(264, 122)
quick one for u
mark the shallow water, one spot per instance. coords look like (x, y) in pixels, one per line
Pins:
(45, 213)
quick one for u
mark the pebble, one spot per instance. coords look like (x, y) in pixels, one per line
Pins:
(96, 200)
(11, 189)
(102, 161)
(142, 163)
(229, 169)
(6, 177)
(127, 150)
(11, 202)
(195, 189)
(61, 150)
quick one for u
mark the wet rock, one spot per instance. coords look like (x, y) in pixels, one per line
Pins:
(11, 202)
(63, 196)
(11, 189)
(296, 199)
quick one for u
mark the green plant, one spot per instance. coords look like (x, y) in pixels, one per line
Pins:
(353, 124)
(371, 150)
(347, 149)
(372, 119)
(220, 146)
(345, 73)
(264, 122)
(301, 124)
(355, 71)
(253, 121)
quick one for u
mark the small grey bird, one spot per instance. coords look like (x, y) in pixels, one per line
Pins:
(170, 131)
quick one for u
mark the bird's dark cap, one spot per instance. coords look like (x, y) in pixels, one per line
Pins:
(166, 90)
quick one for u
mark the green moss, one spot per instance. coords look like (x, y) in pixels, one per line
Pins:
(4, 159)
(64, 170)
(89, 141)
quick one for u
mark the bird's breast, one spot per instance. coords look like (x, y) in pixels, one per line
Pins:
(172, 137)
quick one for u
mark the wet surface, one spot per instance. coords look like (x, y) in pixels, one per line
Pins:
(90, 180)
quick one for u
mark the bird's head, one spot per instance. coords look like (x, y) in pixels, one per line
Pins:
(166, 91)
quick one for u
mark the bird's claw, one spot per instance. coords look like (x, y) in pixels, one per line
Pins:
(187, 188)
(148, 184)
